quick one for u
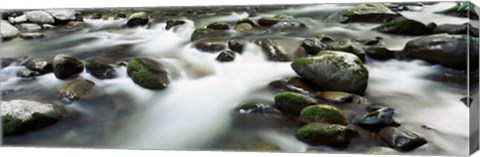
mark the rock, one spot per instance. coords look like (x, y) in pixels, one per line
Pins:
(267, 21)
(7, 31)
(294, 84)
(444, 49)
(333, 71)
(48, 26)
(244, 27)
(323, 114)
(39, 17)
(138, 19)
(272, 50)
(292, 103)
(226, 56)
(462, 9)
(18, 19)
(456, 29)
(378, 119)
(101, 68)
(41, 65)
(324, 38)
(380, 53)
(346, 45)
(336, 97)
(258, 107)
(467, 101)
(22, 116)
(401, 140)
(122, 15)
(30, 27)
(371, 42)
(312, 46)
(65, 66)
(289, 25)
(200, 33)
(76, 24)
(63, 14)
(326, 134)
(218, 26)
(236, 45)
(210, 45)
(403, 26)
(31, 35)
(173, 23)
(373, 12)
(78, 89)
(381, 151)
(26, 73)
(148, 73)
(96, 16)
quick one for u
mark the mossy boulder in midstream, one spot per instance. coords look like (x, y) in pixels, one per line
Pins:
(22, 116)
(462, 9)
(323, 114)
(374, 12)
(403, 26)
(326, 134)
(148, 73)
(292, 103)
(333, 71)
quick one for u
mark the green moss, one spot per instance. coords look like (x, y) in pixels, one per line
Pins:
(197, 33)
(293, 98)
(319, 130)
(323, 114)
(461, 6)
(10, 125)
(144, 74)
(349, 13)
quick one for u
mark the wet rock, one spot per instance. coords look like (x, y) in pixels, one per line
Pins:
(244, 27)
(236, 45)
(326, 134)
(403, 26)
(294, 84)
(63, 14)
(30, 27)
(101, 68)
(333, 71)
(444, 49)
(289, 25)
(336, 97)
(374, 107)
(267, 21)
(272, 50)
(96, 16)
(22, 116)
(377, 119)
(18, 19)
(26, 73)
(401, 140)
(78, 89)
(324, 38)
(258, 107)
(372, 12)
(76, 24)
(226, 56)
(323, 114)
(462, 9)
(456, 29)
(31, 35)
(148, 73)
(371, 42)
(210, 45)
(65, 66)
(138, 19)
(41, 65)
(292, 103)
(218, 26)
(381, 151)
(48, 26)
(346, 45)
(312, 46)
(40, 17)
(7, 31)
(380, 53)
(200, 33)
(174, 23)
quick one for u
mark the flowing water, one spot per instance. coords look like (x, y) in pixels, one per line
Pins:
(195, 112)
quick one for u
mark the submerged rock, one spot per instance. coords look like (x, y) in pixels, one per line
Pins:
(65, 66)
(226, 56)
(373, 12)
(137, 19)
(218, 26)
(292, 103)
(30, 27)
(400, 139)
(456, 29)
(462, 9)
(40, 17)
(381, 151)
(323, 114)
(403, 26)
(101, 68)
(447, 50)
(31, 35)
(75, 90)
(333, 71)
(210, 45)
(294, 84)
(7, 31)
(378, 119)
(41, 65)
(335, 97)
(380, 53)
(174, 23)
(258, 107)
(148, 73)
(312, 46)
(326, 134)
(272, 50)
(22, 116)
(200, 33)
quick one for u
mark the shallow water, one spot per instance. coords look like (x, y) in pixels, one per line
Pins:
(196, 111)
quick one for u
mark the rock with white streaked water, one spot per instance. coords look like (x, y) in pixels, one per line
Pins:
(22, 116)
(40, 17)
(63, 14)
(7, 31)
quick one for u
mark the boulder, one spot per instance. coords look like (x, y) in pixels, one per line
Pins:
(63, 14)
(403, 26)
(30, 27)
(236, 45)
(7, 31)
(380, 53)
(323, 114)
(210, 45)
(292, 103)
(378, 119)
(218, 26)
(226, 56)
(41, 65)
(401, 140)
(336, 97)
(26, 73)
(39, 17)
(346, 45)
(101, 68)
(138, 19)
(65, 66)
(78, 89)
(148, 73)
(18, 19)
(174, 23)
(312, 46)
(326, 134)
(272, 50)
(456, 29)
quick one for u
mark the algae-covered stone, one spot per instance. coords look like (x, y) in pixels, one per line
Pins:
(292, 103)
(75, 90)
(326, 134)
(333, 71)
(148, 73)
(403, 26)
(462, 9)
(323, 114)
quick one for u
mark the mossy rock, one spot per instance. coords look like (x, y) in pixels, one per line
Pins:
(292, 103)
(462, 9)
(75, 90)
(326, 134)
(323, 114)
(148, 73)
(198, 33)
(403, 26)
(346, 45)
